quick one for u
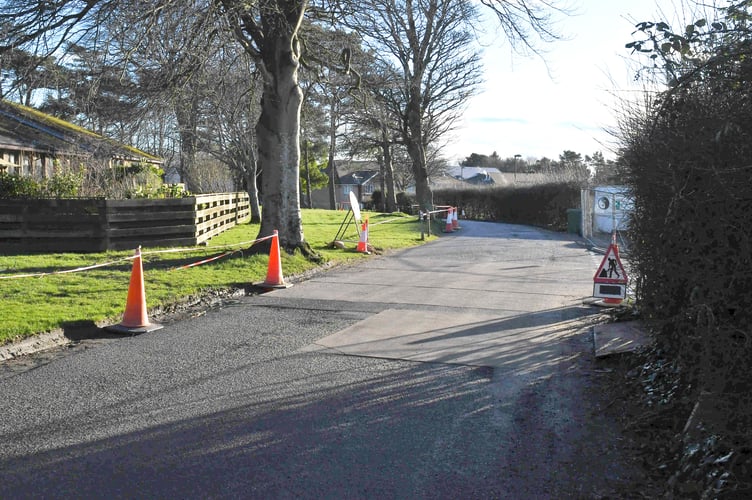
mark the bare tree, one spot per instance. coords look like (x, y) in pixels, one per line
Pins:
(375, 125)
(176, 68)
(333, 79)
(231, 138)
(430, 41)
(424, 35)
(267, 29)
(525, 23)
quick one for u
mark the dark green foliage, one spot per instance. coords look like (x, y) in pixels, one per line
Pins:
(543, 205)
(16, 186)
(406, 203)
(689, 158)
(693, 235)
(63, 185)
(377, 201)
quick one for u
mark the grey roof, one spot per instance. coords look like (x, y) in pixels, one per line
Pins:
(460, 172)
(358, 178)
(25, 128)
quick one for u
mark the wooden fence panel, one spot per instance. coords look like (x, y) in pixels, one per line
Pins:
(150, 223)
(93, 225)
(52, 225)
(217, 213)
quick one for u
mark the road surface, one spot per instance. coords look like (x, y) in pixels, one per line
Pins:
(463, 368)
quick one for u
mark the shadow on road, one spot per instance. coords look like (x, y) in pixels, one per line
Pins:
(278, 440)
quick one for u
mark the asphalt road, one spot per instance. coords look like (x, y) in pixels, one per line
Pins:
(460, 369)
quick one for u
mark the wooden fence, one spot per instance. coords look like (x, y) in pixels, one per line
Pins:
(94, 225)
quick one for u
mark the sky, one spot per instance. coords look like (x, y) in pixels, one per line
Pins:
(539, 107)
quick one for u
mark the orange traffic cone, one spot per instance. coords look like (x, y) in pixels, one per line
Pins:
(274, 278)
(455, 222)
(135, 319)
(448, 228)
(363, 240)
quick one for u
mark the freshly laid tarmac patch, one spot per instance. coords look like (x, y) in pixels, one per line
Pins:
(614, 338)
(475, 338)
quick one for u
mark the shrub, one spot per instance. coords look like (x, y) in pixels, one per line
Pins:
(377, 201)
(63, 185)
(405, 202)
(16, 186)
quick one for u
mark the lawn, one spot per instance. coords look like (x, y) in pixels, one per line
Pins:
(48, 299)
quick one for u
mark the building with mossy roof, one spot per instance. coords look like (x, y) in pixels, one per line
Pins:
(39, 145)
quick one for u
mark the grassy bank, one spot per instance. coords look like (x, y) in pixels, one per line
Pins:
(35, 304)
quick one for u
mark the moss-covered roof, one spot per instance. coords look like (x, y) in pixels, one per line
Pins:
(22, 127)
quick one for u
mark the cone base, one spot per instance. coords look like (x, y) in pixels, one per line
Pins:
(133, 330)
(595, 301)
(272, 286)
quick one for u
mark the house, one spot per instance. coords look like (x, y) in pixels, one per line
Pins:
(362, 182)
(360, 177)
(38, 145)
(478, 175)
(444, 181)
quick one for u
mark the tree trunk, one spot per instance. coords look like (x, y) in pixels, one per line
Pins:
(185, 113)
(309, 200)
(415, 149)
(423, 193)
(278, 135)
(382, 184)
(390, 197)
(332, 148)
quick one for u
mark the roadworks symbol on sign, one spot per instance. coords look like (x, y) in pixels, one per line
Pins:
(611, 270)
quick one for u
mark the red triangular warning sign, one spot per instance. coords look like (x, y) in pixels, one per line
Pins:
(611, 270)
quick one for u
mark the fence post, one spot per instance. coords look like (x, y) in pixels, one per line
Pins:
(586, 202)
(104, 217)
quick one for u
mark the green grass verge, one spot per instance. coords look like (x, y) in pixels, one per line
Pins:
(33, 305)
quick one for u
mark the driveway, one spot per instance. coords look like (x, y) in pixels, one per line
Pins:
(463, 368)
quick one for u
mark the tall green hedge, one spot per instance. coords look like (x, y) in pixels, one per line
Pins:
(692, 244)
(542, 205)
(689, 157)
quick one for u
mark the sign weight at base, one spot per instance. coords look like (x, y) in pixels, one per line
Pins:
(610, 290)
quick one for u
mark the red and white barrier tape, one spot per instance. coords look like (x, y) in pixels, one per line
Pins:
(153, 252)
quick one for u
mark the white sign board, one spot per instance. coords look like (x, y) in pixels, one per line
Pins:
(355, 206)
